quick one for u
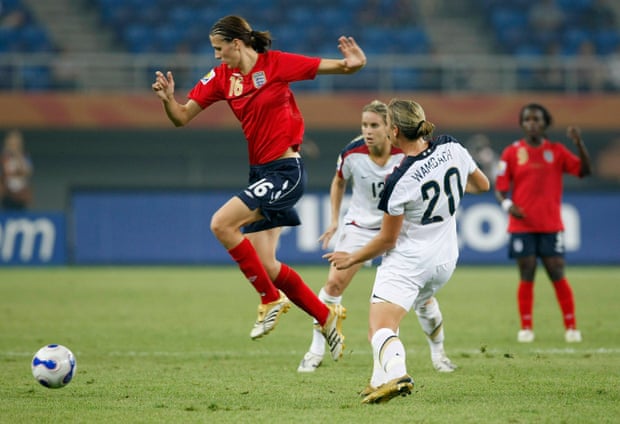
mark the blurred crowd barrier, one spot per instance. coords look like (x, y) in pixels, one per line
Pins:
(438, 73)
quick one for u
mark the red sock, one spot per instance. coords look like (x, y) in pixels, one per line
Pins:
(564, 294)
(246, 257)
(300, 294)
(525, 297)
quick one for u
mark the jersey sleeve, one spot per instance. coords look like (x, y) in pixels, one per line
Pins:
(394, 195)
(395, 202)
(209, 89)
(503, 178)
(470, 163)
(342, 167)
(571, 163)
(295, 67)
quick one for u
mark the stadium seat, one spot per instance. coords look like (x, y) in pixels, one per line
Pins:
(573, 38)
(35, 39)
(574, 5)
(168, 38)
(138, 38)
(412, 40)
(9, 40)
(183, 16)
(36, 78)
(607, 41)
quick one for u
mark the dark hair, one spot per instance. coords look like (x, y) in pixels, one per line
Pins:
(546, 115)
(235, 27)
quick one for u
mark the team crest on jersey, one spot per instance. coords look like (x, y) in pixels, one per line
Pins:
(522, 156)
(259, 79)
(208, 77)
(548, 156)
(501, 167)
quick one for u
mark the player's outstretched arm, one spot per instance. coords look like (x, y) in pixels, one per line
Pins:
(353, 60)
(179, 114)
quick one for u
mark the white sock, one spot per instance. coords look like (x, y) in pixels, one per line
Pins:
(431, 321)
(317, 346)
(379, 376)
(329, 299)
(389, 352)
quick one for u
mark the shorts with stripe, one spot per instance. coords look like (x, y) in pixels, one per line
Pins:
(274, 188)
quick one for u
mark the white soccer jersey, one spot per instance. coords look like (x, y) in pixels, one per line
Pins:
(367, 181)
(427, 189)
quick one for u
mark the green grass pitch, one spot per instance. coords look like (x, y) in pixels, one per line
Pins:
(171, 344)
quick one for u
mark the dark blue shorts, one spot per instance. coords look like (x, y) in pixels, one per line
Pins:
(275, 188)
(536, 244)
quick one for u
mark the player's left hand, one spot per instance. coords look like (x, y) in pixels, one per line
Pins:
(341, 260)
(354, 57)
(574, 133)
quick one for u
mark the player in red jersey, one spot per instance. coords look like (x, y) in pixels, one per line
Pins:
(254, 81)
(532, 169)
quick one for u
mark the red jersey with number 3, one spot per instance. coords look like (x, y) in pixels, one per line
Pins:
(534, 175)
(261, 100)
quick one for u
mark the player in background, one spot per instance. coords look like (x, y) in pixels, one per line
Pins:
(418, 238)
(365, 162)
(254, 81)
(531, 170)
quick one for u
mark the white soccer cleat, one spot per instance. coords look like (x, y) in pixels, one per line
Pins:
(443, 364)
(525, 336)
(572, 336)
(310, 362)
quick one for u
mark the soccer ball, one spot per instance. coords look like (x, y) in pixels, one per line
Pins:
(54, 366)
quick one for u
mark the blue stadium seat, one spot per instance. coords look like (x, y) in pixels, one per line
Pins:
(574, 5)
(168, 38)
(10, 4)
(183, 16)
(138, 38)
(502, 17)
(310, 27)
(607, 41)
(573, 38)
(412, 40)
(34, 38)
(405, 79)
(528, 50)
(36, 78)
(9, 40)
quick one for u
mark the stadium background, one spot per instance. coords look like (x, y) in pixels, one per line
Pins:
(75, 76)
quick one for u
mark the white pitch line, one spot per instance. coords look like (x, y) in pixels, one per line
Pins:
(263, 352)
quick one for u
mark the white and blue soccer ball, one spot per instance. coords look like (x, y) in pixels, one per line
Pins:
(54, 366)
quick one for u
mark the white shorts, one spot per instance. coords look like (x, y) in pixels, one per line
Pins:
(412, 288)
(351, 238)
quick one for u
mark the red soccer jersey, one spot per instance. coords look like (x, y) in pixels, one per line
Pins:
(262, 101)
(534, 175)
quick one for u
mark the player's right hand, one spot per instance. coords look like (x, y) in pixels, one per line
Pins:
(163, 85)
(327, 235)
(516, 211)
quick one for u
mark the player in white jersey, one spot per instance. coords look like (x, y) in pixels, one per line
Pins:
(365, 162)
(418, 239)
